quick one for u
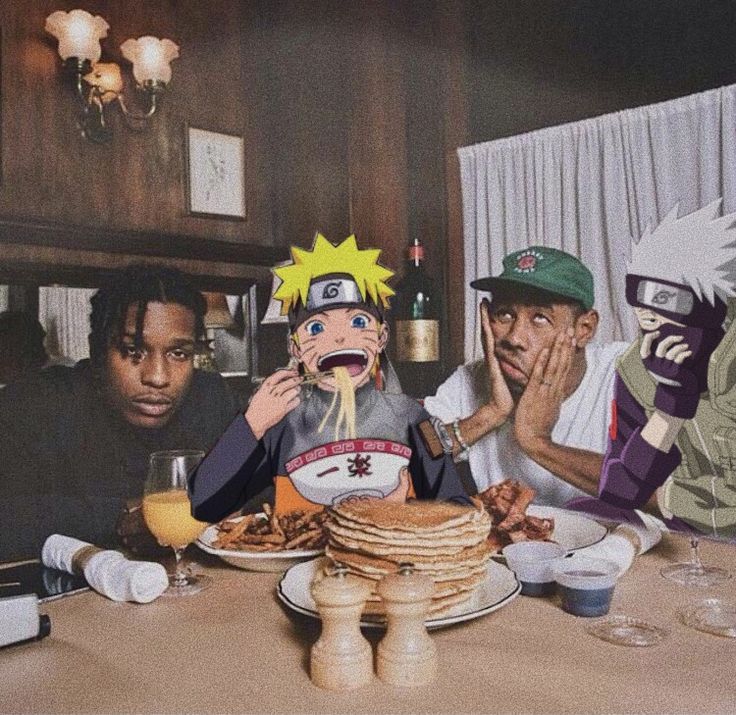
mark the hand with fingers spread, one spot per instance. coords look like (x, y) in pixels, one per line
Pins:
(276, 397)
(500, 405)
(539, 407)
(677, 358)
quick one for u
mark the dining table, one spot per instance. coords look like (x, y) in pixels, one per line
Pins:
(236, 648)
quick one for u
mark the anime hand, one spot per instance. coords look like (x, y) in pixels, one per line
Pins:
(539, 407)
(276, 397)
(400, 493)
(678, 386)
(500, 404)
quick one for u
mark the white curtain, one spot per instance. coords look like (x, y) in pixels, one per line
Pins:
(4, 302)
(64, 314)
(588, 187)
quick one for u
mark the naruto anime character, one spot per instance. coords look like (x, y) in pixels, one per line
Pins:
(674, 412)
(325, 430)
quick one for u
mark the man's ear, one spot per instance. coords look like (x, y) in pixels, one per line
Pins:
(586, 326)
(383, 333)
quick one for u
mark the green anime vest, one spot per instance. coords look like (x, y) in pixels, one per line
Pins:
(702, 490)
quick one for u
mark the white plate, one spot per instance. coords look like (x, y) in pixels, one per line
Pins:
(274, 561)
(499, 588)
(572, 531)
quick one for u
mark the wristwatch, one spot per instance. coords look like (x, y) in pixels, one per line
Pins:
(442, 434)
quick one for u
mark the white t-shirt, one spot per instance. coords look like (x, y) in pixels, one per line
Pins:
(583, 423)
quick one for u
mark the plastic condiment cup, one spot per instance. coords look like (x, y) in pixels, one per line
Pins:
(585, 585)
(532, 562)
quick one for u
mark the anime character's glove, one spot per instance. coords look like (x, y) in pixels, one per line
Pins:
(679, 385)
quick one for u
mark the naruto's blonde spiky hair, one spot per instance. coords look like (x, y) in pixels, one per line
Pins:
(324, 259)
(697, 250)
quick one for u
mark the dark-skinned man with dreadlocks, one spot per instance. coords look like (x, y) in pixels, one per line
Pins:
(75, 441)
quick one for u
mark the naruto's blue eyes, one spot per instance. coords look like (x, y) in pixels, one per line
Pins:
(314, 327)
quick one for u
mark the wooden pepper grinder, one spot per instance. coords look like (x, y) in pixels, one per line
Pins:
(406, 655)
(342, 658)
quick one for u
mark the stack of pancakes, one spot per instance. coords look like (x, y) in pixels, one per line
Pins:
(444, 541)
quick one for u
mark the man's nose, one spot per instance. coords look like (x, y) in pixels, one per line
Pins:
(339, 339)
(518, 335)
(155, 371)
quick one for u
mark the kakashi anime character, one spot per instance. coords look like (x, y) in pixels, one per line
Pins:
(673, 422)
(293, 436)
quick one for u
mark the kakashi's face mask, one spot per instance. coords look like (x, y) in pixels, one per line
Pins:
(671, 303)
(673, 309)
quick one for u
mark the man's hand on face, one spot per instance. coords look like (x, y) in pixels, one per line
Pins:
(500, 405)
(539, 406)
(276, 397)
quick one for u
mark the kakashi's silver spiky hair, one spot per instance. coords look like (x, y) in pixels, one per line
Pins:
(697, 250)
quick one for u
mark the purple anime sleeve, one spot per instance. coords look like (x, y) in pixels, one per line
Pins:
(632, 469)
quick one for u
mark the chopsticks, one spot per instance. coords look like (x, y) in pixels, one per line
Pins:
(309, 378)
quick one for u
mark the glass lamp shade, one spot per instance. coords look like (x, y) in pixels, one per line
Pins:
(151, 58)
(78, 33)
(218, 314)
(106, 77)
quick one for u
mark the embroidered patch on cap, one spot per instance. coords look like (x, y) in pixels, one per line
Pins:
(527, 261)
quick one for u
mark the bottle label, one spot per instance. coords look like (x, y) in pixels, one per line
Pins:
(417, 340)
(416, 253)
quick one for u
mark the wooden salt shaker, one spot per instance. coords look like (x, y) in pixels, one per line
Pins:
(406, 655)
(342, 658)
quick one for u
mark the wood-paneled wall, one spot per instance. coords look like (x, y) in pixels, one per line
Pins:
(351, 113)
(342, 106)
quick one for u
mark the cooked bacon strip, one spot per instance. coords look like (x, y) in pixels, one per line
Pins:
(517, 511)
(507, 503)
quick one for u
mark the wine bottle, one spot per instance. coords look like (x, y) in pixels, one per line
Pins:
(417, 327)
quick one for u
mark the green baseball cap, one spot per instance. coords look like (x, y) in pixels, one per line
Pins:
(547, 269)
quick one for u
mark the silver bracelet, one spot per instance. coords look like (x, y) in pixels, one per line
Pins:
(458, 436)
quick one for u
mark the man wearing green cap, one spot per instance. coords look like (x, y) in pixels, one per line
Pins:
(536, 408)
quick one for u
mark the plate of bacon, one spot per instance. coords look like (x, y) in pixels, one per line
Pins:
(515, 519)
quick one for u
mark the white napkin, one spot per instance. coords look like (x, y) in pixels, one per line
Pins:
(112, 575)
(58, 551)
(619, 547)
(108, 572)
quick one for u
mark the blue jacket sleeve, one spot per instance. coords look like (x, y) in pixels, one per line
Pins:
(237, 468)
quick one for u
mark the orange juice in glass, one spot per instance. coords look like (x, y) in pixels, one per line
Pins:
(167, 511)
(169, 517)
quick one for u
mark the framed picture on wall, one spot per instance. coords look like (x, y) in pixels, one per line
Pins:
(215, 174)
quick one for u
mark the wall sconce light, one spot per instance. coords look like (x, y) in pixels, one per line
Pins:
(79, 35)
(217, 317)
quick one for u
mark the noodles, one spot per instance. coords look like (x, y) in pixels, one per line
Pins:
(346, 415)
(345, 421)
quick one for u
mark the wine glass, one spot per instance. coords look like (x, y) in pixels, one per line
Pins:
(167, 512)
(693, 572)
